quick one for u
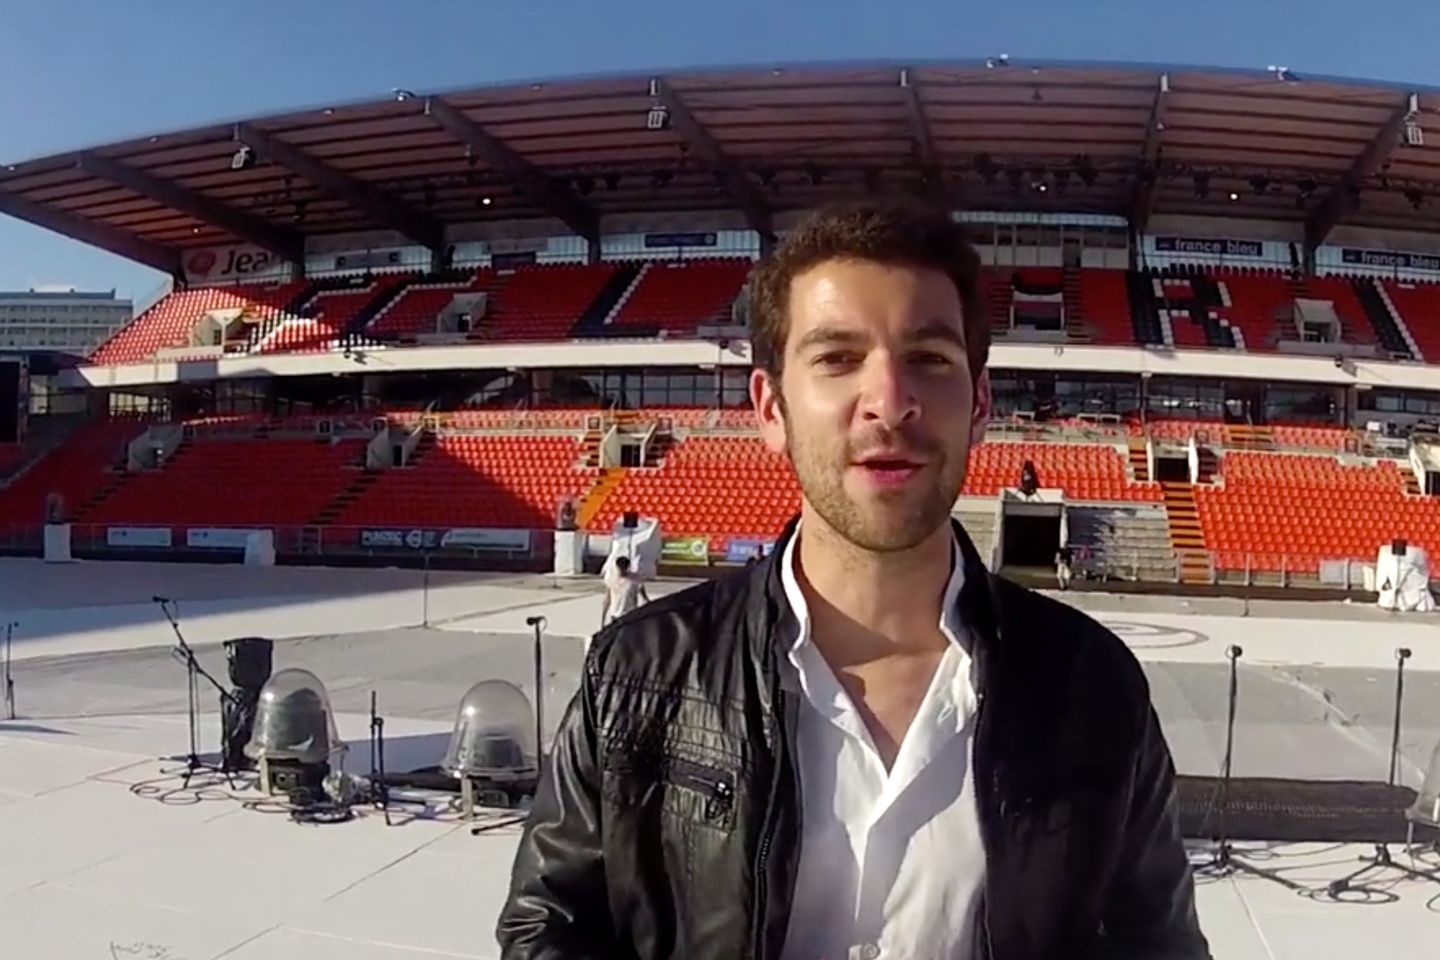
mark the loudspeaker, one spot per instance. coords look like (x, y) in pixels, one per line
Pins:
(630, 520)
(1398, 546)
(250, 660)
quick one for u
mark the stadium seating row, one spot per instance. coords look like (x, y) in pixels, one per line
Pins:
(1266, 510)
(1226, 308)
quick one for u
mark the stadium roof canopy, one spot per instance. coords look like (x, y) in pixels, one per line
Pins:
(1126, 140)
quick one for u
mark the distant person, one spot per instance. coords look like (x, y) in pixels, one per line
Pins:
(1029, 478)
(756, 556)
(1063, 570)
(624, 591)
(865, 745)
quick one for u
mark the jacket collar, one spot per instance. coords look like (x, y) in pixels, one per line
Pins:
(768, 609)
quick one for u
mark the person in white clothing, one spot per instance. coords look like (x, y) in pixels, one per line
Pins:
(624, 591)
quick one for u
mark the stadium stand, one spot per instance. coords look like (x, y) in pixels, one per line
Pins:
(1285, 511)
(539, 303)
(1418, 304)
(1105, 307)
(208, 482)
(1084, 471)
(169, 322)
(1257, 303)
(472, 480)
(416, 311)
(678, 297)
(722, 487)
(78, 470)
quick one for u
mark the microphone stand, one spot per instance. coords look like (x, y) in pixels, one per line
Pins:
(539, 624)
(1224, 861)
(1381, 860)
(183, 653)
(9, 679)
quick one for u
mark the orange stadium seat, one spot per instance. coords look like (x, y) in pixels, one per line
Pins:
(1419, 306)
(1300, 510)
(235, 483)
(169, 322)
(678, 297)
(466, 480)
(1105, 307)
(76, 470)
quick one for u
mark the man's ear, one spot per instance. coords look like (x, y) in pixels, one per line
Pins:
(980, 412)
(769, 408)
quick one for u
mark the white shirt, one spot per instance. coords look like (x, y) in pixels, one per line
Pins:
(623, 589)
(891, 863)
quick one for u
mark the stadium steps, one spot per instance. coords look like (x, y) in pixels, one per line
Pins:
(1139, 460)
(1382, 290)
(1412, 483)
(118, 477)
(595, 497)
(594, 321)
(1207, 464)
(1244, 436)
(1073, 297)
(1000, 292)
(384, 298)
(1384, 319)
(1144, 308)
(352, 492)
(590, 444)
(1185, 532)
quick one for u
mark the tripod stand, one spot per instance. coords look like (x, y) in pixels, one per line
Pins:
(1224, 861)
(379, 784)
(1382, 859)
(193, 673)
(9, 680)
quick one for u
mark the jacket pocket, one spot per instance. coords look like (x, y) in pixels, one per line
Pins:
(693, 791)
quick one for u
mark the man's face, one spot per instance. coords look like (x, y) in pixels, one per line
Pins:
(876, 407)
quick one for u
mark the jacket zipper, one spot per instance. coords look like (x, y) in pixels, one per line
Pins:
(767, 833)
(713, 784)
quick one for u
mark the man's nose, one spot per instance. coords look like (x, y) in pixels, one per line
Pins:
(888, 395)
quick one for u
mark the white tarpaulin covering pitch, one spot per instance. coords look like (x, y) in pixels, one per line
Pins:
(1403, 579)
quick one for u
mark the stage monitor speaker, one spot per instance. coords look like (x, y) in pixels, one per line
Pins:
(631, 520)
(251, 660)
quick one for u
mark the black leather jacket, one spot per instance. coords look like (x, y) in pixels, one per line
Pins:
(667, 818)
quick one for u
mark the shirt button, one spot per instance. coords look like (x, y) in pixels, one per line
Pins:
(865, 951)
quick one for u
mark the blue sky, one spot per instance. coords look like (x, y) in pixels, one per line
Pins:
(81, 72)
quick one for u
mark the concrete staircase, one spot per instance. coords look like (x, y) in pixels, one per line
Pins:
(1128, 543)
(1139, 460)
(596, 496)
(1185, 532)
(1246, 437)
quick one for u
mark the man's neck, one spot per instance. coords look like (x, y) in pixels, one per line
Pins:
(875, 600)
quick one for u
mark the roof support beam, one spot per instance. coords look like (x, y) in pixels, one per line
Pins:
(1341, 198)
(389, 210)
(1142, 199)
(286, 244)
(741, 192)
(95, 233)
(540, 189)
(930, 165)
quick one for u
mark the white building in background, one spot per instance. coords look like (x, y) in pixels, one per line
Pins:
(70, 321)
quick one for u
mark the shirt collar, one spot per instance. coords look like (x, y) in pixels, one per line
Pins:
(798, 633)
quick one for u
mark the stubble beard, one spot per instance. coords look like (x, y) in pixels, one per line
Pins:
(890, 522)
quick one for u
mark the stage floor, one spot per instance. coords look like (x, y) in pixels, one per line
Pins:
(101, 857)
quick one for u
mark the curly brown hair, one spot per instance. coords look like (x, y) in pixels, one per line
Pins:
(893, 232)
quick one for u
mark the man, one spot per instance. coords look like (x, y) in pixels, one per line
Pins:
(1063, 559)
(624, 592)
(864, 746)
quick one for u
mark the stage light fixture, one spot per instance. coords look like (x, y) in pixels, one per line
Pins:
(486, 200)
(1307, 187)
(243, 158)
(872, 179)
(585, 186)
(1416, 198)
(1234, 196)
(1015, 176)
(985, 166)
(816, 174)
(301, 211)
(294, 737)
(1085, 170)
(1202, 185)
(661, 178)
(1260, 184)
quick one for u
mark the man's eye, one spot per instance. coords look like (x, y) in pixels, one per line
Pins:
(837, 358)
(932, 360)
